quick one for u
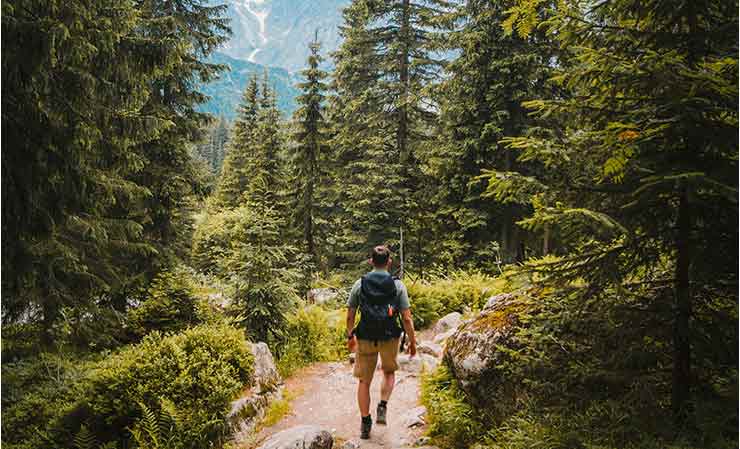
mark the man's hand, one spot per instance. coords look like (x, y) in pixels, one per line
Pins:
(412, 348)
(352, 344)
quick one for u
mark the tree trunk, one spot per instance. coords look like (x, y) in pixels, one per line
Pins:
(681, 339)
(546, 241)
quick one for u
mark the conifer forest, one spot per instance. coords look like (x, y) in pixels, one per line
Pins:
(561, 175)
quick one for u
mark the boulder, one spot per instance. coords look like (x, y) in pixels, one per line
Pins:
(428, 347)
(440, 338)
(350, 444)
(414, 417)
(473, 352)
(300, 437)
(447, 322)
(321, 295)
(266, 385)
(494, 299)
(417, 363)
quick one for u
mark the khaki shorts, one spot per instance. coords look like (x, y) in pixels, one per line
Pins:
(367, 358)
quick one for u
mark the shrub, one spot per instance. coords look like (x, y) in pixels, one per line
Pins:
(199, 371)
(170, 305)
(455, 292)
(452, 420)
(313, 335)
(37, 393)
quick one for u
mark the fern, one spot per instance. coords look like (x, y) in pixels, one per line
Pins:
(84, 439)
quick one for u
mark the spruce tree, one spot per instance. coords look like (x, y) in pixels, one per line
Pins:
(235, 173)
(642, 163)
(383, 113)
(309, 155)
(480, 103)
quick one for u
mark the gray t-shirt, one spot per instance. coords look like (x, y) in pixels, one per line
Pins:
(403, 295)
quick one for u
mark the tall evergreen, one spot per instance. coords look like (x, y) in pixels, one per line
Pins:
(235, 171)
(382, 110)
(97, 119)
(309, 156)
(480, 103)
(642, 164)
(267, 174)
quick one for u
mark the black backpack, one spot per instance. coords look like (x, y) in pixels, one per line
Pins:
(379, 308)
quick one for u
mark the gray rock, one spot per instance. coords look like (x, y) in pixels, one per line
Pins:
(266, 376)
(473, 352)
(414, 417)
(428, 347)
(246, 411)
(494, 299)
(321, 295)
(417, 363)
(422, 441)
(447, 322)
(440, 338)
(350, 444)
(300, 437)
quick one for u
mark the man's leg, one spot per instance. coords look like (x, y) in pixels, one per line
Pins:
(367, 358)
(388, 356)
(386, 388)
(363, 397)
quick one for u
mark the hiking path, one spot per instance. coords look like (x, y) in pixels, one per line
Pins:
(325, 394)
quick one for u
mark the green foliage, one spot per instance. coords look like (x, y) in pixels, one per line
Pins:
(96, 165)
(453, 422)
(169, 306)
(458, 291)
(171, 392)
(313, 335)
(589, 373)
(37, 394)
(197, 373)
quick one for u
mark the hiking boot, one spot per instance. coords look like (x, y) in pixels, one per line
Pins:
(367, 424)
(382, 408)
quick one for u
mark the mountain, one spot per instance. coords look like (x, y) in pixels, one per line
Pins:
(226, 91)
(276, 33)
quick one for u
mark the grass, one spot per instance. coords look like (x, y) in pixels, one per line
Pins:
(278, 409)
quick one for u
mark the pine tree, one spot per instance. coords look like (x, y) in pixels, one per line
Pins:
(642, 160)
(309, 156)
(95, 149)
(266, 184)
(480, 103)
(383, 112)
(235, 172)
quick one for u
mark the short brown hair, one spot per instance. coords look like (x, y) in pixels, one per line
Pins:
(380, 255)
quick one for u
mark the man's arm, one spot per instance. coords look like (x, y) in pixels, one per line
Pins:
(408, 326)
(406, 320)
(351, 311)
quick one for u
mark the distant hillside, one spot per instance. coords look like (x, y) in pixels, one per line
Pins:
(226, 91)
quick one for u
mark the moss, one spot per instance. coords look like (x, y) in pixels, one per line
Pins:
(507, 315)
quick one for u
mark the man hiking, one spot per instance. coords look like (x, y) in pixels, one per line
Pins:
(384, 303)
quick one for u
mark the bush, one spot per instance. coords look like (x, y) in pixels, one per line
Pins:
(189, 378)
(452, 420)
(199, 371)
(313, 335)
(170, 305)
(454, 292)
(37, 393)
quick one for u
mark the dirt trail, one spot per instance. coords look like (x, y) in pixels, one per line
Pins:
(326, 396)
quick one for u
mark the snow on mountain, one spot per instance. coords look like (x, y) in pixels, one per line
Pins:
(276, 33)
